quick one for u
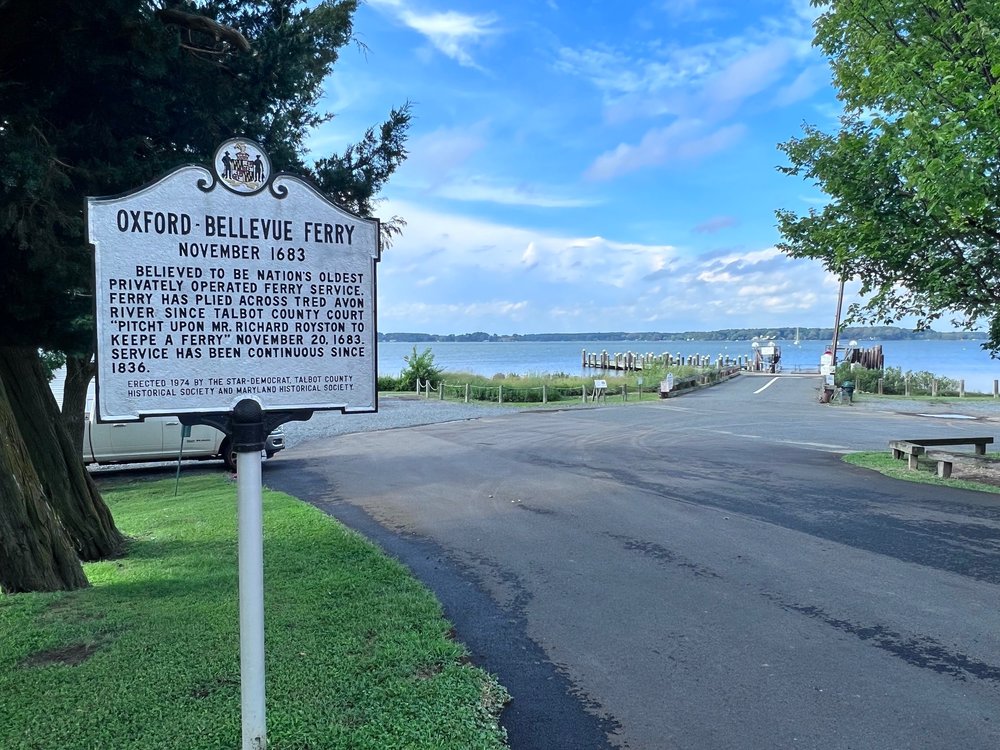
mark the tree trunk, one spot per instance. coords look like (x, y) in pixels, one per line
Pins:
(67, 485)
(35, 551)
(79, 372)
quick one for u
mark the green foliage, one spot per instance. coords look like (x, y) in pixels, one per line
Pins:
(388, 383)
(358, 653)
(418, 367)
(51, 361)
(527, 389)
(894, 381)
(913, 175)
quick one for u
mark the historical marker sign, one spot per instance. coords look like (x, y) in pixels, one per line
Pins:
(213, 286)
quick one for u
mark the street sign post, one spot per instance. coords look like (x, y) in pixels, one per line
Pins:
(242, 299)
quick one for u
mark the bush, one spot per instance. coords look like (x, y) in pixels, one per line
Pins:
(418, 367)
(388, 383)
(894, 381)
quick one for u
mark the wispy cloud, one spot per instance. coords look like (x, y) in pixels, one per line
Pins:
(480, 190)
(492, 276)
(452, 33)
(698, 90)
(683, 140)
(716, 224)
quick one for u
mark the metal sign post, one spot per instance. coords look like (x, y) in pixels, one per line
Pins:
(248, 442)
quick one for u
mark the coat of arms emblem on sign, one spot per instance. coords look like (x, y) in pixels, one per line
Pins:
(242, 166)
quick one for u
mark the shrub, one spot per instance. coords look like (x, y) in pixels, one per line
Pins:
(894, 381)
(418, 367)
(388, 383)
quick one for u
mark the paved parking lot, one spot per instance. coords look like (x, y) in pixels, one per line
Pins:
(701, 572)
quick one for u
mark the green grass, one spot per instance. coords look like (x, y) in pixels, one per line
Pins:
(358, 653)
(926, 473)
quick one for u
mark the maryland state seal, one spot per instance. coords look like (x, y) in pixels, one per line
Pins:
(242, 166)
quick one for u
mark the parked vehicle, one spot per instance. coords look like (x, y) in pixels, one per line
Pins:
(160, 439)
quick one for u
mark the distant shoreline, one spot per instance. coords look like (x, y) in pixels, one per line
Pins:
(861, 333)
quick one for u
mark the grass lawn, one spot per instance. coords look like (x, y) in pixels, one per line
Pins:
(884, 463)
(358, 653)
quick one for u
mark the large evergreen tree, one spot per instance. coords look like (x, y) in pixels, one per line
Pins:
(98, 98)
(913, 175)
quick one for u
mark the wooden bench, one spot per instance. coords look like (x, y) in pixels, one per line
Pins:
(913, 449)
(906, 448)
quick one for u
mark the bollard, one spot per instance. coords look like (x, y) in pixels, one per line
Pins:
(500, 394)
(545, 399)
(441, 391)
(466, 393)
(961, 389)
(881, 383)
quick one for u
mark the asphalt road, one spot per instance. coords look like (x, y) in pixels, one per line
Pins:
(701, 572)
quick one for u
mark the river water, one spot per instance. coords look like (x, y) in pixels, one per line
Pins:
(959, 360)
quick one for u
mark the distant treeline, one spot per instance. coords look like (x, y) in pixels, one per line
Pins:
(878, 333)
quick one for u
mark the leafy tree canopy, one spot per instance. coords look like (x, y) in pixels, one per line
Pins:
(913, 175)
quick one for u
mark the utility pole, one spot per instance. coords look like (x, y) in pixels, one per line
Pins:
(836, 322)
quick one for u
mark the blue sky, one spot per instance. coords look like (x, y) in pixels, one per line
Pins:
(589, 166)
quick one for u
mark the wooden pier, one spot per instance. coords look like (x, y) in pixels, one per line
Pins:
(634, 362)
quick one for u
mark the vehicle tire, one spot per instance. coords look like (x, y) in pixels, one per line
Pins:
(228, 455)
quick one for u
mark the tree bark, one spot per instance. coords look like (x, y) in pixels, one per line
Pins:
(35, 550)
(71, 492)
(79, 372)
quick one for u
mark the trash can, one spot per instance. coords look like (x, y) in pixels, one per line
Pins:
(848, 388)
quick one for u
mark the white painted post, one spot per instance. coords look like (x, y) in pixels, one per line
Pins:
(427, 388)
(466, 393)
(251, 566)
(961, 389)
(545, 399)
(500, 394)
(441, 391)
(996, 389)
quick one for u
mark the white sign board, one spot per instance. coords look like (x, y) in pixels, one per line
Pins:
(213, 286)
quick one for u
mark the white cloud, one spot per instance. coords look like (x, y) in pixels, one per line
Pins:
(807, 83)
(497, 277)
(479, 190)
(683, 140)
(754, 71)
(452, 33)
(439, 164)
